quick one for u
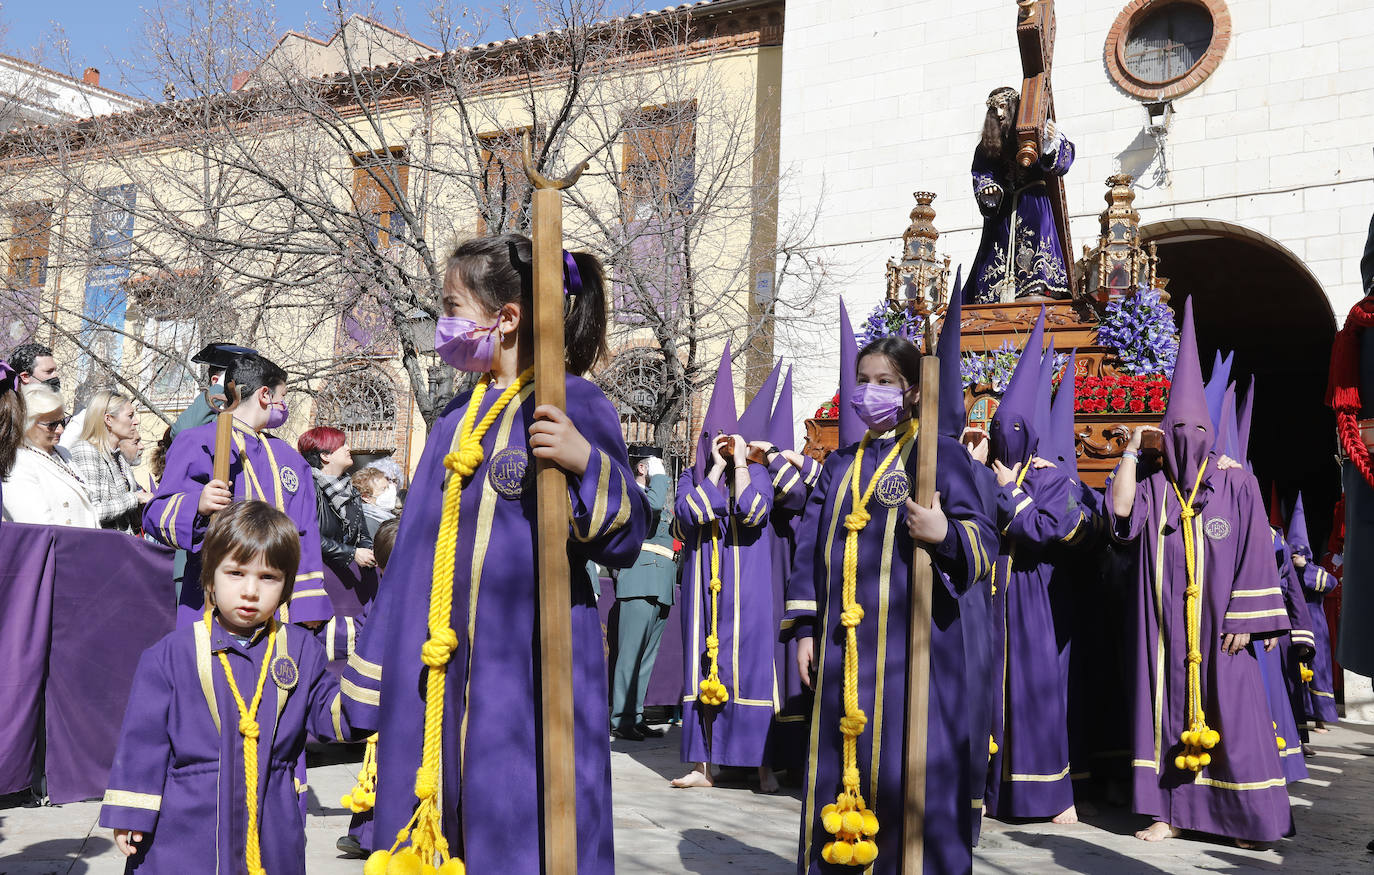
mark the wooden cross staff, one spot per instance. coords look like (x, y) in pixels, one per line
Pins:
(551, 489)
(224, 406)
(918, 639)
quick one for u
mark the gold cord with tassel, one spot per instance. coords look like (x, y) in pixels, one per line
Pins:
(1197, 739)
(424, 831)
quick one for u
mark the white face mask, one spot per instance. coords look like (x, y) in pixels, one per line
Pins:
(386, 499)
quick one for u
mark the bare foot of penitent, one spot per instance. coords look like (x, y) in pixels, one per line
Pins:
(768, 782)
(1068, 815)
(698, 777)
(1158, 832)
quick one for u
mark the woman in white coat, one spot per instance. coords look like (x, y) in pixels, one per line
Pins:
(43, 487)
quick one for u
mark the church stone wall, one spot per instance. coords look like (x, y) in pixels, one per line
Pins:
(882, 98)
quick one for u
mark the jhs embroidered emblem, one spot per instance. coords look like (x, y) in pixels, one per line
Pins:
(893, 489)
(284, 672)
(508, 470)
(289, 481)
(1216, 528)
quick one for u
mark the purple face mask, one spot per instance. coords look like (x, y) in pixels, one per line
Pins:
(277, 414)
(464, 344)
(880, 407)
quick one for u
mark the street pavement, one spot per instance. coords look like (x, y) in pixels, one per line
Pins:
(733, 828)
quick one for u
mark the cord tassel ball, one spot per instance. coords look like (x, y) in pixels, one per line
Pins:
(428, 849)
(1198, 738)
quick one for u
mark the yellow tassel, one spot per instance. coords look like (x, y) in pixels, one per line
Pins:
(424, 831)
(865, 852)
(453, 867)
(377, 863)
(1198, 736)
(249, 729)
(855, 817)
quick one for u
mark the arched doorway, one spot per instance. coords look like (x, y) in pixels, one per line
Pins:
(1254, 296)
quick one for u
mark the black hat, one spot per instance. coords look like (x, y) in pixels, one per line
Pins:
(644, 451)
(221, 355)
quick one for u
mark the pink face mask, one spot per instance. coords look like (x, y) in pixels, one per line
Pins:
(277, 414)
(465, 345)
(880, 407)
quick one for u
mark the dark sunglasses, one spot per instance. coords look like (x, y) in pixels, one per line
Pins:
(55, 424)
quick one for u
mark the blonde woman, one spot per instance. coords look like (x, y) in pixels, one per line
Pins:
(44, 488)
(110, 419)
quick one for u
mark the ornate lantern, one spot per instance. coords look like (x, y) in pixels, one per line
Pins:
(920, 281)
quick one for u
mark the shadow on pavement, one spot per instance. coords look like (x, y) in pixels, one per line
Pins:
(1079, 855)
(704, 851)
(62, 853)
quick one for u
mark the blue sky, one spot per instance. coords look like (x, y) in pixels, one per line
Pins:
(99, 30)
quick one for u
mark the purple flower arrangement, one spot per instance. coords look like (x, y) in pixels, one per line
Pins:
(1139, 330)
(887, 321)
(993, 368)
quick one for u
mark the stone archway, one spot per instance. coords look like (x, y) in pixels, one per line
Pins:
(1256, 297)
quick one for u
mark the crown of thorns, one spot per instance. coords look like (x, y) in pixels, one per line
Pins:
(1001, 97)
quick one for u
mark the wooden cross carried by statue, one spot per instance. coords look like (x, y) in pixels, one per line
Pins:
(1035, 38)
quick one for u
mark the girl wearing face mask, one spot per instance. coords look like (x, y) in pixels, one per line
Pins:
(463, 579)
(847, 607)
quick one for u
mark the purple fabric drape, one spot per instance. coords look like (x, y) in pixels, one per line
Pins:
(77, 609)
(26, 574)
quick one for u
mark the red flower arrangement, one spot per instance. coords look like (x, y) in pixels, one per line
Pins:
(829, 410)
(1122, 394)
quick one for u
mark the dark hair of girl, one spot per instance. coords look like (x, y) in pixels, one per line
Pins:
(901, 352)
(499, 270)
(11, 429)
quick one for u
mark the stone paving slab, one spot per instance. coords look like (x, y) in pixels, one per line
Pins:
(734, 828)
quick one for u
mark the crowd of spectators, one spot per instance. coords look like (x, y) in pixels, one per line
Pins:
(89, 471)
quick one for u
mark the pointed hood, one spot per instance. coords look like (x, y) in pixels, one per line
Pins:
(1243, 409)
(1187, 426)
(781, 428)
(1275, 507)
(953, 415)
(852, 428)
(1227, 443)
(720, 413)
(1044, 391)
(1216, 386)
(754, 421)
(1062, 447)
(1012, 435)
(1297, 531)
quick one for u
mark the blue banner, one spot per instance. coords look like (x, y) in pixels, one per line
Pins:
(112, 233)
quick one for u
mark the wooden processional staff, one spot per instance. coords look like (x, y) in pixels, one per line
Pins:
(224, 428)
(918, 641)
(551, 490)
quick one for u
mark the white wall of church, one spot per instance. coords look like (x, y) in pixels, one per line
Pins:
(882, 98)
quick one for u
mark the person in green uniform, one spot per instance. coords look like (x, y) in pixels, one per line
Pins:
(217, 357)
(643, 594)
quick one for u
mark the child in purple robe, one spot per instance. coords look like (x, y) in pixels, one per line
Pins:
(237, 688)
(1318, 696)
(1205, 753)
(730, 691)
(446, 669)
(850, 620)
(261, 467)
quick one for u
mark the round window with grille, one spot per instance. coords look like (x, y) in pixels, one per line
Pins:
(1161, 49)
(362, 404)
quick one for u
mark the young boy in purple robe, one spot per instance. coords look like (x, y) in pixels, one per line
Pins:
(850, 619)
(1318, 696)
(729, 686)
(1205, 752)
(261, 467)
(446, 669)
(239, 687)
(1038, 515)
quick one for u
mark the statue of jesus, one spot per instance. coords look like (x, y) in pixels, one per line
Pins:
(1020, 255)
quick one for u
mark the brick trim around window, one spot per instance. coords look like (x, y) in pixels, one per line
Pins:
(1114, 53)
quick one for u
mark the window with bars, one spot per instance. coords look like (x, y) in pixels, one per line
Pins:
(1168, 42)
(659, 161)
(31, 227)
(362, 404)
(505, 186)
(380, 180)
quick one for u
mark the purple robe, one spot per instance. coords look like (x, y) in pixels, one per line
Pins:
(1029, 774)
(963, 562)
(1030, 260)
(1243, 793)
(178, 773)
(791, 488)
(261, 467)
(736, 733)
(491, 738)
(1317, 583)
